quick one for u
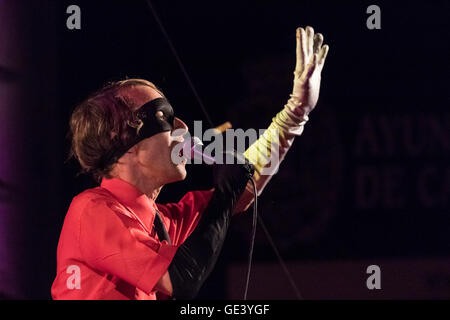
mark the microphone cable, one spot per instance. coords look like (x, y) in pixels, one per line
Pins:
(252, 237)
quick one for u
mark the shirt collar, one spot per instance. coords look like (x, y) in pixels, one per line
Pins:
(132, 198)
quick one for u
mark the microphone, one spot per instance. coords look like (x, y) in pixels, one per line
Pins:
(192, 150)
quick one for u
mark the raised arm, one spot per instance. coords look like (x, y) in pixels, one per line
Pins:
(269, 150)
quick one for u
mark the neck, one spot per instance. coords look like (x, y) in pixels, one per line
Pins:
(150, 187)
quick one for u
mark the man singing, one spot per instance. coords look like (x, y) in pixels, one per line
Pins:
(116, 241)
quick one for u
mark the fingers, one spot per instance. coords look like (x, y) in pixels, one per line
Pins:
(310, 52)
(318, 40)
(301, 50)
(309, 40)
(323, 55)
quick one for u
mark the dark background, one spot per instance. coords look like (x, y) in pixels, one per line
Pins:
(368, 179)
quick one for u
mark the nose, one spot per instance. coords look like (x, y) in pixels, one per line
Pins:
(180, 127)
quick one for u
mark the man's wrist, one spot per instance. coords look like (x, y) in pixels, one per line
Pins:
(296, 105)
(292, 118)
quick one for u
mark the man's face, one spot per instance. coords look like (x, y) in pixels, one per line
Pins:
(152, 156)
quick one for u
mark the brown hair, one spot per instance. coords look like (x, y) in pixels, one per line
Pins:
(103, 122)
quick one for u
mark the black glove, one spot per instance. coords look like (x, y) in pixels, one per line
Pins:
(196, 257)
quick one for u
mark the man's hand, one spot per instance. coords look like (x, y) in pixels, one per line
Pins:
(307, 75)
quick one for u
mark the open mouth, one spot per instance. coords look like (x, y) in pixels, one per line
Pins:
(181, 154)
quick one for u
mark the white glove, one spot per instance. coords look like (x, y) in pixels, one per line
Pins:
(311, 57)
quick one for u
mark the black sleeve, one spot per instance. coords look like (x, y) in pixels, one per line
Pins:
(196, 257)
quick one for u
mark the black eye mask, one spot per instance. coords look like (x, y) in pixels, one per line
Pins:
(154, 122)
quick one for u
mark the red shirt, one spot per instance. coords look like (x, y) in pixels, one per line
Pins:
(108, 247)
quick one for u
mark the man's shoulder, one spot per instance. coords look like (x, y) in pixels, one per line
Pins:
(92, 195)
(91, 200)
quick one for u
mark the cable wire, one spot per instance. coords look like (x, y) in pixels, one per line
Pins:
(252, 239)
(280, 260)
(180, 63)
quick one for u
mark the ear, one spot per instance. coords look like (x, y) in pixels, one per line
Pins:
(133, 151)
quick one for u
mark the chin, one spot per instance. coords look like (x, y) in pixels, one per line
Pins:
(179, 174)
(183, 173)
